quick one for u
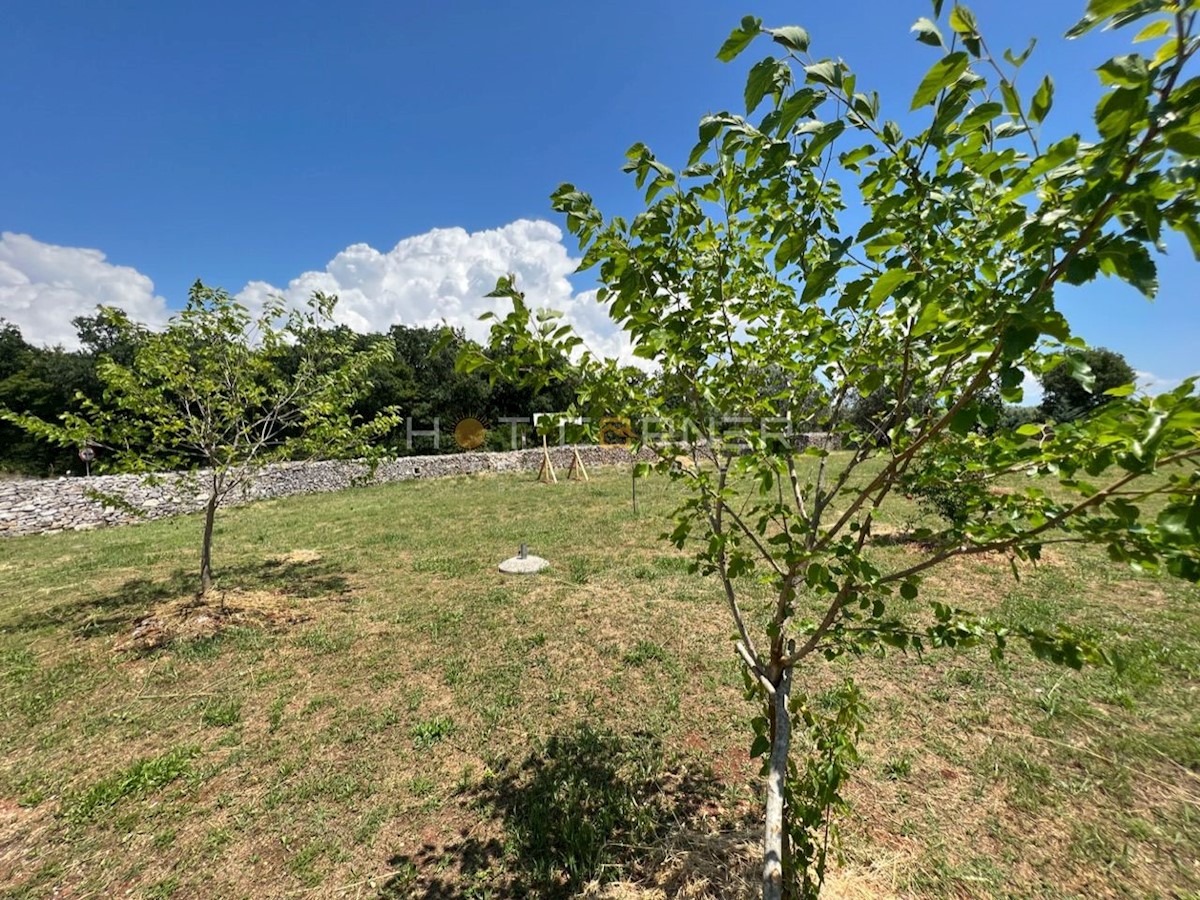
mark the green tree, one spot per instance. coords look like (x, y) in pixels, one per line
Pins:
(1013, 416)
(44, 382)
(937, 284)
(221, 393)
(13, 349)
(109, 332)
(1065, 397)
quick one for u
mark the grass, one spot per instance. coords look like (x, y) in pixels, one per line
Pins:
(141, 778)
(397, 719)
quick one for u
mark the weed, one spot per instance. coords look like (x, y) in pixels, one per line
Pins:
(163, 889)
(422, 785)
(275, 714)
(222, 713)
(645, 652)
(898, 767)
(321, 641)
(143, 777)
(428, 732)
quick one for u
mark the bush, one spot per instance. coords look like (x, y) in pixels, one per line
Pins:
(951, 500)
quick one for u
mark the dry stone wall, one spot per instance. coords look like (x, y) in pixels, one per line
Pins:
(41, 507)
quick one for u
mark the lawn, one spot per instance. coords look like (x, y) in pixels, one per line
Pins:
(383, 714)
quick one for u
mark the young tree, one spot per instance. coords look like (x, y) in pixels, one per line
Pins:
(822, 239)
(221, 393)
(1066, 399)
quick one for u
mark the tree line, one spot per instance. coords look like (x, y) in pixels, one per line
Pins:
(418, 379)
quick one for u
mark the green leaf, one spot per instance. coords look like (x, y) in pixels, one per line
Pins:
(801, 103)
(887, 283)
(1009, 129)
(1181, 520)
(760, 747)
(1153, 30)
(927, 33)
(1191, 230)
(908, 590)
(1081, 269)
(930, 317)
(1185, 143)
(1121, 12)
(1078, 369)
(766, 76)
(943, 74)
(980, 116)
(962, 20)
(1127, 71)
(1118, 110)
(1123, 390)
(1018, 60)
(793, 37)
(825, 72)
(1167, 51)
(1131, 262)
(853, 157)
(1042, 100)
(1012, 100)
(739, 39)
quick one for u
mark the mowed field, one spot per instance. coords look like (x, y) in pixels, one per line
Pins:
(377, 712)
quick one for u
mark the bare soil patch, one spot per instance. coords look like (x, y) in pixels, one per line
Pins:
(18, 829)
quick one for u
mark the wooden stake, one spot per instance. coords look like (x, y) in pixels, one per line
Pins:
(577, 470)
(546, 472)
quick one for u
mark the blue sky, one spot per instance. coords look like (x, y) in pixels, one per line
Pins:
(252, 143)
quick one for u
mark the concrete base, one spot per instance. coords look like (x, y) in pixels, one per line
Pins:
(529, 565)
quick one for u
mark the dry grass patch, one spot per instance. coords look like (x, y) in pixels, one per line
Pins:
(186, 619)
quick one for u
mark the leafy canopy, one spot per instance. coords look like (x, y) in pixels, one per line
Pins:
(1065, 398)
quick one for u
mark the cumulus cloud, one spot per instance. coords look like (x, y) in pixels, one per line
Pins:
(1032, 390)
(44, 286)
(446, 274)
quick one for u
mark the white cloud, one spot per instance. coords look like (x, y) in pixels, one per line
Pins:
(445, 274)
(1152, 384)
(44, 286)
(1032, 390)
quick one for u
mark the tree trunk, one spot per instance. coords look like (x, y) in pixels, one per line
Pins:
(210, 512)
(773, 841)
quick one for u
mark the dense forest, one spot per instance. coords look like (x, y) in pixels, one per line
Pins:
(421, 382)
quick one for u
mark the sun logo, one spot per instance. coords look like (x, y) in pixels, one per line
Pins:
(616, 431)
(470, 433)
